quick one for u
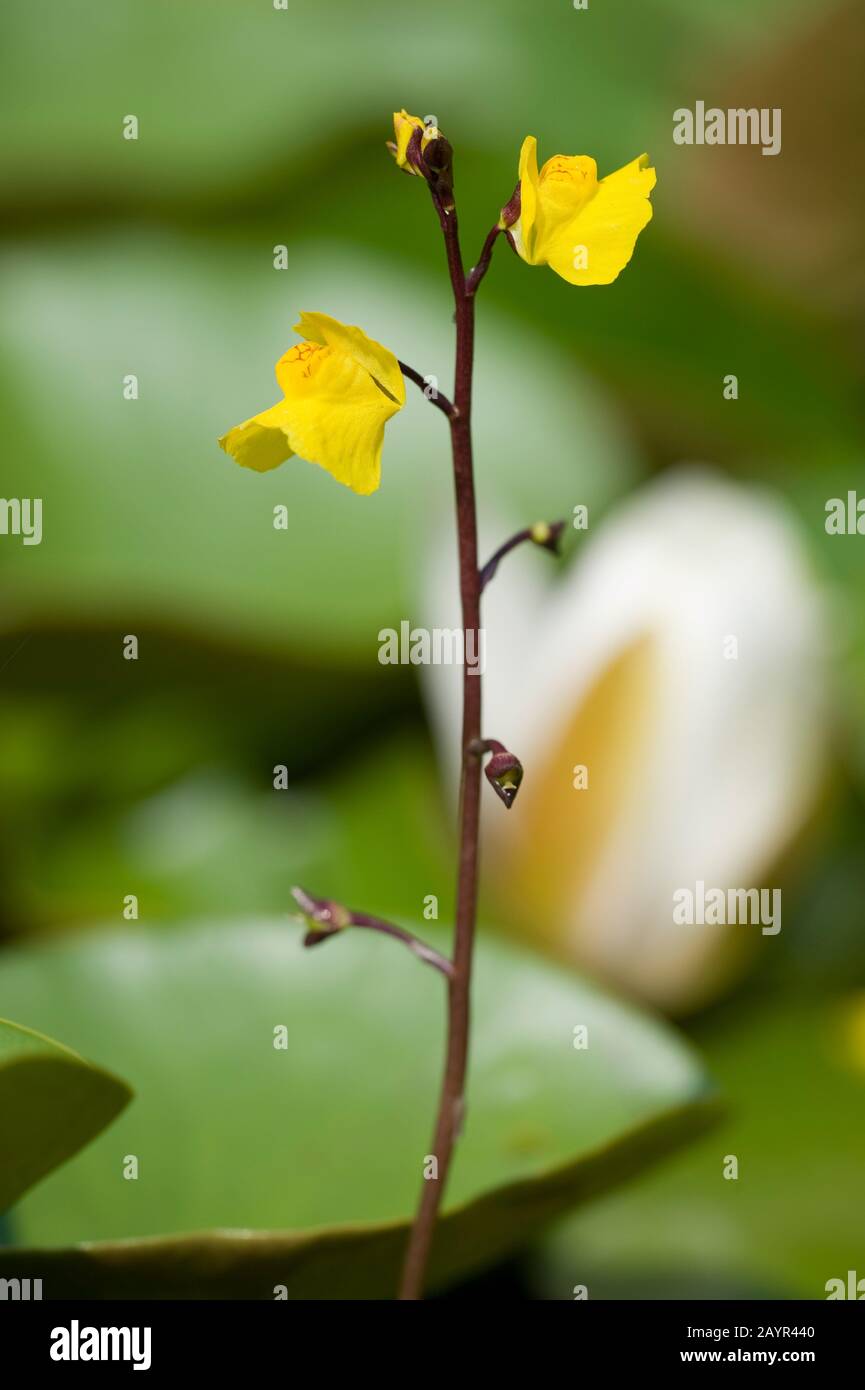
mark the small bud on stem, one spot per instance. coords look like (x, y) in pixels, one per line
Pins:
(511, 210)
(546, 534)
(437, 165)
(504, 772)
(325, 918)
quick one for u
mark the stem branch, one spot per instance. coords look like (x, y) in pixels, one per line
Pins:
(543, 533)
(437, 399)
(326, 918)
(477, 274)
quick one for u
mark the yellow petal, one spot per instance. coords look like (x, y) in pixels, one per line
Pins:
(366, 352)
(262, 442)
(523, 230)
(566, 183)
(403, 125)
(334, 413)
(596, 243)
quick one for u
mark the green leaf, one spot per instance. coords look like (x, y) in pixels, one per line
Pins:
(794, 1072)
(52, 1103)
(301, 1166)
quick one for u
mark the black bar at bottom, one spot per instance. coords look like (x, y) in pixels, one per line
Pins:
(239, 1338)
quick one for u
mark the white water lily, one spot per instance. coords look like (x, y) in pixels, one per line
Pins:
(680, 661)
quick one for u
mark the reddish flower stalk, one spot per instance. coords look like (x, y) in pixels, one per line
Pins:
(451, 1103)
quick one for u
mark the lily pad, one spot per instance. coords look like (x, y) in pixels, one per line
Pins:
(794, 1070)
(299, 1166)
(51, 1102)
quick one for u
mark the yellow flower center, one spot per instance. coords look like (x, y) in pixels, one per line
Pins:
(568, 182)
(303, 360)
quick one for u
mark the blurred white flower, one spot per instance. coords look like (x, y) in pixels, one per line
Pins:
(681, 662)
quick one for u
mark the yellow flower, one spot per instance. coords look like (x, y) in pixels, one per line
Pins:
(340, 389)
(583, 227)
(404, 127)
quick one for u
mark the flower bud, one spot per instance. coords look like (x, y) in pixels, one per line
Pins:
(504, 773)
(324, 917)
(511, 210)
(548, 534)
(412, 139)
(438, 158)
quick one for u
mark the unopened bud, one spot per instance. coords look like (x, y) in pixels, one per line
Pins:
(438, 158)
(504, 773)
(511, 210)
(323, 916)
(548, 534)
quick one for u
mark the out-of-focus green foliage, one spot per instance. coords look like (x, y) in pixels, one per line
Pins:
(188, 834)
(52, 1103)
(175, 283)
(238, 1127)
(146, 519)
(228, 93)
(789, 1222)
(258, 647)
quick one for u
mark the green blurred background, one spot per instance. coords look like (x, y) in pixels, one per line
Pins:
(261, 127)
